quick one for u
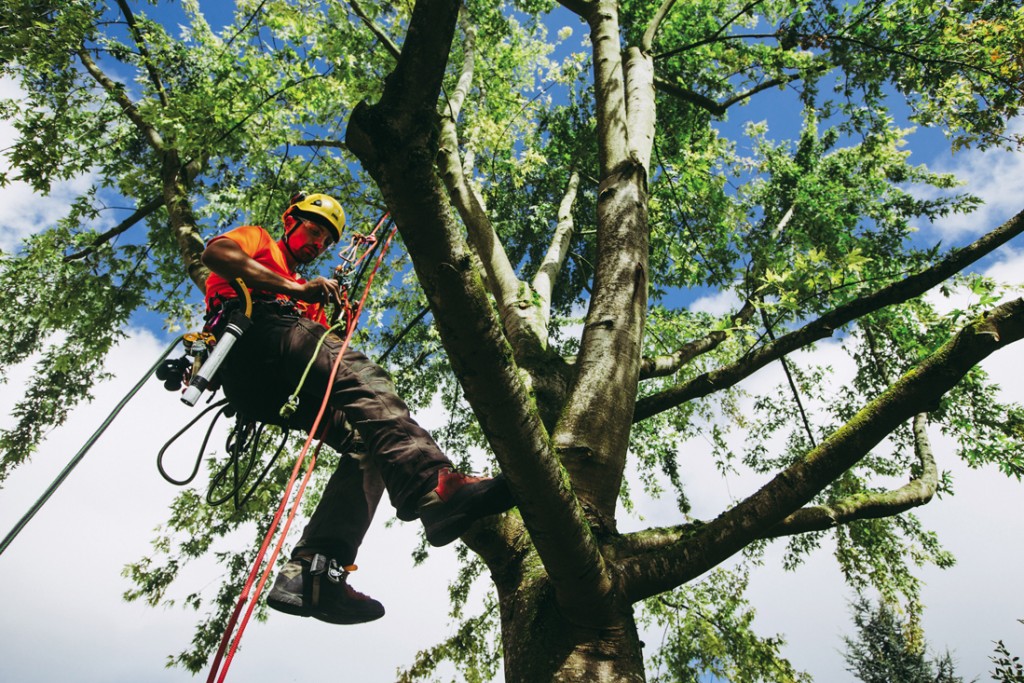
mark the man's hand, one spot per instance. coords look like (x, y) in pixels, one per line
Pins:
(320, 290)
(224, 257)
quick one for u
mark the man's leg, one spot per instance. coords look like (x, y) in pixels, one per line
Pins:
(314, 583)
(419, 478)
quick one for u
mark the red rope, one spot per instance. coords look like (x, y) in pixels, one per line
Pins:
(352, 320)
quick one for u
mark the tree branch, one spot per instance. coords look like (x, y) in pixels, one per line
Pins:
(547, 273)
(117, 92)
(652, 28)
(770, 83)
(512, 296)
(173, 179)
(321, 142)
(591, 437)
(376, 30)
(395, 140)
(716, 38)
(918, 491)
(140, 213)
(662, 366)
(710, 105)
(638, 72)
(896, 293)
(140, 42)
(690, 96)
(675, 556)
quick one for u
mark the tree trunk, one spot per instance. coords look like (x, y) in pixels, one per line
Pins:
(541, 645)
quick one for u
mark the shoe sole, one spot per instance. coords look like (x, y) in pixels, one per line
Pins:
(297, 610)
(459, 514)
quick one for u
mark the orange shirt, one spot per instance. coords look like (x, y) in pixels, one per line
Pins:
(257, 243)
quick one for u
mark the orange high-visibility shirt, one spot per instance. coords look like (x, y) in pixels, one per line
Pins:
(257, 243)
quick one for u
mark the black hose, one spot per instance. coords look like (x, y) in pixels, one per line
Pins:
(222, 404)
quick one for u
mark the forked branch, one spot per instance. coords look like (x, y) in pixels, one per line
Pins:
(918, 491)
(672, 557)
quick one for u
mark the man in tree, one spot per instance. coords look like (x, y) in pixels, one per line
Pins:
(399, 455)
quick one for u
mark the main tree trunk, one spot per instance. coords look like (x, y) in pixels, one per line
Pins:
(542, 645)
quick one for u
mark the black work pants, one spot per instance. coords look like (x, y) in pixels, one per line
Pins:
(400, 456)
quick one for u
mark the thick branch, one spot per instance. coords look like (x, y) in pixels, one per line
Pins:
(823, 327)
(465, 82)
(140, 213)
(916, 492)
(510, 294)
(376, 30)
(609, 89)
(117, 92)
(690, 96)
(639, 85)
(395, 140)
(173, 176)
(547, 273)
(684, 557)
(591, 436)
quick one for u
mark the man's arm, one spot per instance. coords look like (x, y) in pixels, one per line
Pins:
(227, 259)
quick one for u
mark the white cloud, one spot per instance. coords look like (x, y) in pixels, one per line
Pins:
(719, 303)
(996, 176)
(23, 211)
(1009, 268)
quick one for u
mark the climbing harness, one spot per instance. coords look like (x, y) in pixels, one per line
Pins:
(229, 646)
(229, 320)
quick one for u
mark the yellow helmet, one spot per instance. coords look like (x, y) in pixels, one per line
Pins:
(320, 208)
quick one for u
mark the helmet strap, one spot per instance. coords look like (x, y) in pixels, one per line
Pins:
(288, 233)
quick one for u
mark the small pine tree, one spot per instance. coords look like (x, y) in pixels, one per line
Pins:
(888, 650)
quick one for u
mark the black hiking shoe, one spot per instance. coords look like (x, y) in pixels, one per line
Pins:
(457, 501)
(318, 588)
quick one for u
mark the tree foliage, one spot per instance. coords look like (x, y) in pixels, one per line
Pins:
(567, 182)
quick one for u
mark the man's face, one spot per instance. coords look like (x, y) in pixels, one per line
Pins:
(308, 240)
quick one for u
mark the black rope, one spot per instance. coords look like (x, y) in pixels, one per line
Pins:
(222, 404)
(246, 436)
